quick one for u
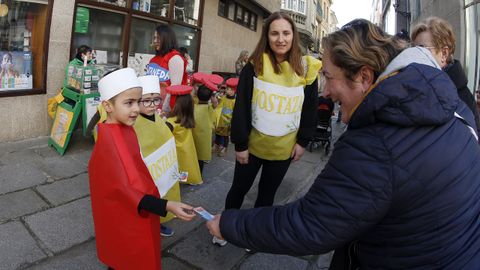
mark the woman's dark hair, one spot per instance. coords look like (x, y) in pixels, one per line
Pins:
(203, 93)
(168, 40)
(183, 51)
(83, 49)
(183, 110)
(294, 56)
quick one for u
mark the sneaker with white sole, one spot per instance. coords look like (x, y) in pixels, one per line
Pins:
(166, 231)
(219, 242)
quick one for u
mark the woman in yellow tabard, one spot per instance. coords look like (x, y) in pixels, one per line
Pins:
(181, 121)
(274, 115)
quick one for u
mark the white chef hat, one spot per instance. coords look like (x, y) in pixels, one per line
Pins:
(116, 82)
(150, 84)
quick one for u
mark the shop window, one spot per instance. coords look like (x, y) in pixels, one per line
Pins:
(154, 7)
(101, 30)
(187, 11)
(237, 13)
(23, 36)
(140, 48)
(188, 38)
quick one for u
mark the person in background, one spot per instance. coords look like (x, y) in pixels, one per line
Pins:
(274, 117)
(402, 184)
(223, 125)
(168, 64)
(241, 62)
(437, 36)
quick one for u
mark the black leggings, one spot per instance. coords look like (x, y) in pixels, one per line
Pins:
(272, 175)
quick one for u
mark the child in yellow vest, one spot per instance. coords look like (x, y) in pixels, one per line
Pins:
(181, 122)
(226, 104)
(204, 119)
(157, 145)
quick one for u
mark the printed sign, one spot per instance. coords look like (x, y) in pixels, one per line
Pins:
(155, 69)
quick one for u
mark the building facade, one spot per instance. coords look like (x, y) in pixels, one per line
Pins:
(39, 38)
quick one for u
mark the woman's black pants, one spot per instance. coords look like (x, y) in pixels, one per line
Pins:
(272, 175)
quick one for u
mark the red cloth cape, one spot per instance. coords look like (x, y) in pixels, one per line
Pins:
(126, 239)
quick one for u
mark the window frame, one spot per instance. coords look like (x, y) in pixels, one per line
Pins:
(131, 13)
(43, 88)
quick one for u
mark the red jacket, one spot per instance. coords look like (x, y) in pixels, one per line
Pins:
(126, 239)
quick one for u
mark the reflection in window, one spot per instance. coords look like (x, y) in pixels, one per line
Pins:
(188, 38)
(155, 7)
(187, 11)
(253, 22)
(119, 3)
(231, 10)
(140, 49)
(221, 8)
(101, 30)
(22, 36)
(239, 14)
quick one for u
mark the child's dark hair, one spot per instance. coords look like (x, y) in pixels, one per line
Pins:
(83, 49)
(203, 93)
(168, 40)
(183, 110)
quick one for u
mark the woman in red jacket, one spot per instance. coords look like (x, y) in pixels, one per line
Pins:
(168, 64)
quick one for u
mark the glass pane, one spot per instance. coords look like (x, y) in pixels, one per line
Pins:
(22, 30)
(140, 47)
(187, 38)
(253, 22)
(119, 3)
(187, 11)
(239, 15)
(101, 30)
(246, 18)
(221, 8)
(231, 10)
(155, 7)
(470, 45)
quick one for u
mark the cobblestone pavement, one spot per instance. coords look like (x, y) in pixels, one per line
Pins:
(46, 220)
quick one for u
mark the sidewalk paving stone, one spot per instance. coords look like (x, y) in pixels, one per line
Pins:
(169, 263)
(59, 167)
(65, 226)
(19, 176)
(83, 257)
(198, 250)
(17, 246)
(273, 261)
(63, 191)
(19, 204)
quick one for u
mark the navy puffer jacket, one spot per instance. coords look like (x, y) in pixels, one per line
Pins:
(403, 180)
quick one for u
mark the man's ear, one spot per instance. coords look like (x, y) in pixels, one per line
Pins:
(108, 106)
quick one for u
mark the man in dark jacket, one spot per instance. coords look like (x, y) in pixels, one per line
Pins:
(403, 180)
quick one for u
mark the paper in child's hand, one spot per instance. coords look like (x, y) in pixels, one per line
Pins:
(183, 176)
(203, 213)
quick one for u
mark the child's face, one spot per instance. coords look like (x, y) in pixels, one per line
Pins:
(230, 91)
(149, 103)
(124, 108)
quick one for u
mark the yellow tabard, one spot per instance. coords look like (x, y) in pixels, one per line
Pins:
(103, 117)
(187, 155)
(280, 147)
(226, 110)
(202, 133)
(151, 136)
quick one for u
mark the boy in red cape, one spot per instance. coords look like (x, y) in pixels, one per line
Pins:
(125, 200)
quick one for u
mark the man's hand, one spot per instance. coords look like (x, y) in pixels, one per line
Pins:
(214, 227)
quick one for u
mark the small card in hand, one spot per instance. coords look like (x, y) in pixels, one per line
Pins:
(203, 213)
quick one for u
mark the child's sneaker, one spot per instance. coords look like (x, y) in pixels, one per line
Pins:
(221, 152)
(215, 148)
(219, 242)
(166, 231)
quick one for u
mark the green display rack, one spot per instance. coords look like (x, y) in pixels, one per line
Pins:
(66, 118)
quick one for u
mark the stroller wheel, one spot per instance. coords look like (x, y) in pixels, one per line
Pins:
(327, 148)
(310, 147)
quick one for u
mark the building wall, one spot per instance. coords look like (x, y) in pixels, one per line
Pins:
(449, 10)
(26, 116)
(223, 40)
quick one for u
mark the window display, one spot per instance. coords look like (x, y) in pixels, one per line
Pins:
(22, 42)
(154, 7)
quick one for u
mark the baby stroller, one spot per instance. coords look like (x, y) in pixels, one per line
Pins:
(323, 132)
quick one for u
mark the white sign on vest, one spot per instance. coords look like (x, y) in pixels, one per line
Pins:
(276, 109)
(163, 166)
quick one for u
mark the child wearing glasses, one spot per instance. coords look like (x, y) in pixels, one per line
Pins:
(181, 122)
(157, 145)
(125, 201)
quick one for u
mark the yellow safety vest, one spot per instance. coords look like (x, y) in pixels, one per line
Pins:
(187, 155)
(280, 147)
(151, 136)
(202, 133)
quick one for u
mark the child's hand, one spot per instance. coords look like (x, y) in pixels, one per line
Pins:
(181, 210)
